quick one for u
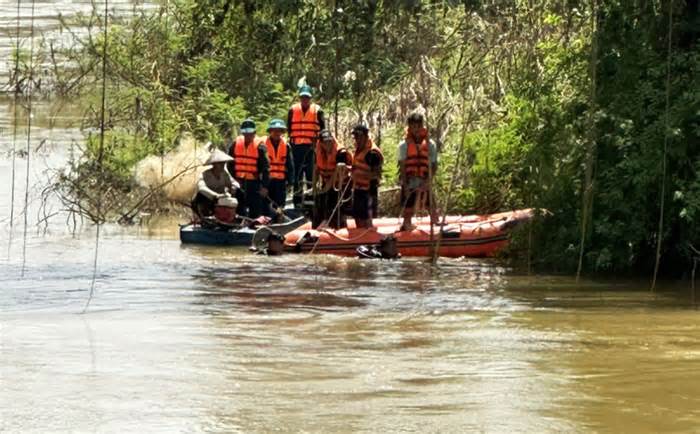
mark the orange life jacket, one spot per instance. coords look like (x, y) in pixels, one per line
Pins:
(304, 126)
(417, 155)
(361, 173)
(278, 159)
(246, 158)
(326, 162)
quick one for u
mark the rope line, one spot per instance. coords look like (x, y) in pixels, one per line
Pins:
(659, 238)
(323, 227)
(14, 126)
(29, 137)
(100, 155)
(587, 202)
(335, 209)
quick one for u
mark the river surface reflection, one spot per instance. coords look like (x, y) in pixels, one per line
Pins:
(181, 339)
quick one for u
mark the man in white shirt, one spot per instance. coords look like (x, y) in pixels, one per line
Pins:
(213, 184)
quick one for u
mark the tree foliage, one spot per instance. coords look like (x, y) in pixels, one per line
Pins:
(520, 107)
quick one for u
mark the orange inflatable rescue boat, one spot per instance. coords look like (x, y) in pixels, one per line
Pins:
(474, 236)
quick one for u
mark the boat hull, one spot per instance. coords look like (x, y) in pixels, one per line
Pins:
(420, 221)
(473, 236)
(196, 234)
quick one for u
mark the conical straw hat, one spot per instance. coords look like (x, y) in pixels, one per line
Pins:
(218, 157)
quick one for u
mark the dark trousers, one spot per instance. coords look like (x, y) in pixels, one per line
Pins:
(252, 201)
(277, 192)
(374, 194)
(202, 206)
(361, 204)
(304, 162)
(324, 205)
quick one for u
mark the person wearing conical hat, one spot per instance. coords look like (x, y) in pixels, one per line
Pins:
(213, 184)
(279, 154)
(251, 168)
(305, 120)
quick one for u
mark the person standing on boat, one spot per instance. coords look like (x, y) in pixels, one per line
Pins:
(417, 168)
(331, 176)
(251, 168)
(213, 184)
(281, 167)
(305, 119)
(366, 165)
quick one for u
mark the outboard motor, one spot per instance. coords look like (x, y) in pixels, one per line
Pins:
(275, 244)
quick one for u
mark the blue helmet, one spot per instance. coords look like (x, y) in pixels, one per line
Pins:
(247, 126)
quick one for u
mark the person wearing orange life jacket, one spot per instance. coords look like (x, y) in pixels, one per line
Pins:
(279, 154)
(304, 120)
(332, 162)
(366, 166)
(251, 168)
(417, 167)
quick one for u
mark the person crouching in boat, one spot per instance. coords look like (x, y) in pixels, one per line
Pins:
(251, 168)
(281, 168)
(213, 186)
(366, 165)
(417, 168)
(331, 177)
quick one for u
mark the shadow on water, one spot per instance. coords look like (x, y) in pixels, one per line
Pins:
(319, 283)
(562, 292)
(234, 277)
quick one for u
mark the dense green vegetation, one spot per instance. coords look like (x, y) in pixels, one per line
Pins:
(585, 108)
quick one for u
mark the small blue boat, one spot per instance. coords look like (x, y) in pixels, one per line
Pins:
(211, 235)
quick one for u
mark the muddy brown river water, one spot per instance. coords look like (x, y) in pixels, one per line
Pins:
(188, 339)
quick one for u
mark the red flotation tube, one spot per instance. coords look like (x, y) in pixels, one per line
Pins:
(475, 236)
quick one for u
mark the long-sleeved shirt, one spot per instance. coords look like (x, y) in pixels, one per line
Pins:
(289, 162)
(211, 185)
(319, 115)
(263, 162)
